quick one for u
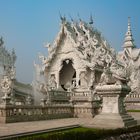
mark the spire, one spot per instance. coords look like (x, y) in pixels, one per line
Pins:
(91, 19)
(129, 41)
(1, 42)
(63, 18)
(14, 57)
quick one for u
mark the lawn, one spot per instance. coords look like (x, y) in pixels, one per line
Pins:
(80, 134)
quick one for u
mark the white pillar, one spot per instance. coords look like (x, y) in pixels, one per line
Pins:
(57, 78)
(77, 77)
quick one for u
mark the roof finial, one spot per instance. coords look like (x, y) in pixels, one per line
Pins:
(14, 57)
(1, 41)
(91, 19)
(129, 19)
(129, 24)
(79, 17)
(63, 18)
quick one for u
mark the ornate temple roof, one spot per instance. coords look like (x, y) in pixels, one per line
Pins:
(130, 51)
(135, 54)
(88, 43)
(22, 89)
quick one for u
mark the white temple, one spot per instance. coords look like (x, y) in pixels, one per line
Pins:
(19, 91)
(82, 76)
(79, 59)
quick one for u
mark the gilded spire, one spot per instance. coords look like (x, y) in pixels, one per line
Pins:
(129, 41)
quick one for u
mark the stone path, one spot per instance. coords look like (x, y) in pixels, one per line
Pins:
(27, 127)
(24, 127)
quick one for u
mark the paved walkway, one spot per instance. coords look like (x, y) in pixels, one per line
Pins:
(24, 127)
(27, 127)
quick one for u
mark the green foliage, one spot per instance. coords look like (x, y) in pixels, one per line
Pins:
(81, 134)
(133, 110)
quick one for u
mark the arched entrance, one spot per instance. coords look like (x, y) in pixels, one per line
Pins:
(67, 75)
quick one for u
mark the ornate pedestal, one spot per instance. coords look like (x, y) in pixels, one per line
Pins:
(113, 113)
(5, 109)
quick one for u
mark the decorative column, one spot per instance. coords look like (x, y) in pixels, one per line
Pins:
(77, 77)
(6, 86)
(113, 114)
(6, 106)
(57, 78)
(92, 80)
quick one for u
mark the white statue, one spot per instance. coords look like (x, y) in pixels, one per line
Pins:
(43, 88)
(6, 85)
(92, 80)
(68, 86)
(50, 48)
(13, 73)
(52, 82)
(105, 77)
(83, 80)
(43, 59)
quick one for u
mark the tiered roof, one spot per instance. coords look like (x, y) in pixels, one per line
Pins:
(88, 43)
(129, 41)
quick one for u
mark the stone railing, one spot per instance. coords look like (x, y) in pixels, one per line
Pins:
(81, 95)
(12, 113)
(133, 98)
(132, 106)
(59, 96)
(132, 102)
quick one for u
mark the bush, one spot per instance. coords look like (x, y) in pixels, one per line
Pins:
(133, 110)
(81, 134)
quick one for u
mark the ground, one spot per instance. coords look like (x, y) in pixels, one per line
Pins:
(25, 127)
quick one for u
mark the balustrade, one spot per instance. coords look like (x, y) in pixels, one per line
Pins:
(30, 113)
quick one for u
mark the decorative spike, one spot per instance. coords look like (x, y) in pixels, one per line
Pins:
(63, 18)
(60, 15)
(129, 27)
(1, 41)
(14, 57)
(91, 19)
(79, 17)
(71, 18)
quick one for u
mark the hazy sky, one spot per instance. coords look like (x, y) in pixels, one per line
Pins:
(26, 24)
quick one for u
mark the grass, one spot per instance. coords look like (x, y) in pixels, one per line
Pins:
(133, 110)
(80, 134)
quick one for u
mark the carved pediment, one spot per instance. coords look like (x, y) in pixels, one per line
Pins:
(83, 40)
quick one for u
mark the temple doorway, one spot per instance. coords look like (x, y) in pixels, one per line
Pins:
(67, 75)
